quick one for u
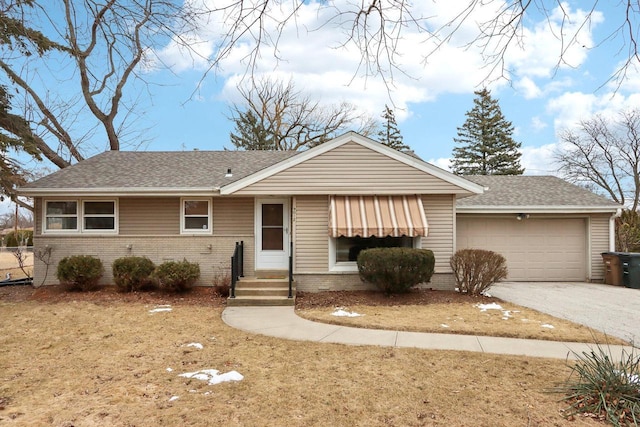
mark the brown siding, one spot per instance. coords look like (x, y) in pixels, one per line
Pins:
(233, 216)
(149, 216)
(311, 234)
(439, 211)
(599, 225)
(351, 169)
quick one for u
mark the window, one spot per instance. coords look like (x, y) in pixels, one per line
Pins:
(343, 251)
(348, 248)
(99, 216)
(196, 216)
(80, 216)
(61, 216)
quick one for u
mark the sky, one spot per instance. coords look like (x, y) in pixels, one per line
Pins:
(185, 109)
(539, 96)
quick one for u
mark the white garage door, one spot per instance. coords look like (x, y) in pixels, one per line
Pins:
(535, 249)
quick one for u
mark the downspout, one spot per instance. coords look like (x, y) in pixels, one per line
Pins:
(612, 229)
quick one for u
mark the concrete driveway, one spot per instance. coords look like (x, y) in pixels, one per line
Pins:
(614, 310)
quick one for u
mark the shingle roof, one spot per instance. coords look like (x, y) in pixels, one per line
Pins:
(515, 191)
(160, 170)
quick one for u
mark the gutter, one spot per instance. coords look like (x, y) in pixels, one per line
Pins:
(118, 192)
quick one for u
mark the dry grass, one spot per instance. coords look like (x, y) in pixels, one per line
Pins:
(105, 364)
(459, 318)
(9, 264)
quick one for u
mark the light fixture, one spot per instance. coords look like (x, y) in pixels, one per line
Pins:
(228, 174)
(522, 216)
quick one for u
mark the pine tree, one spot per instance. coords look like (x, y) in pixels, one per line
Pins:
(390, 134)
(486, 146)
(251, 134)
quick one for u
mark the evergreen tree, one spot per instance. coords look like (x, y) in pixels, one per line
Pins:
(486, 146)
(251, 133)
(390, 134)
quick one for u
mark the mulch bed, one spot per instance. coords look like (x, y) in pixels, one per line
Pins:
(207, 296)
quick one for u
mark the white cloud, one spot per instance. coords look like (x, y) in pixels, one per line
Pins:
(539, 160)
(528, 88)
(538, 124)
(319, 61)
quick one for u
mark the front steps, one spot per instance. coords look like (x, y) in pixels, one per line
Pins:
(267, 288)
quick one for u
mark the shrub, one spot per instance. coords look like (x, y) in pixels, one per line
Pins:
(22, 238)
(602, 388)
(475, 270)
(132, 273)
(177, 276)
(395, 270)
(222, 284)
(80, 272)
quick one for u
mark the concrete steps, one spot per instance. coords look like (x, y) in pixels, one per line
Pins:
(265, 289)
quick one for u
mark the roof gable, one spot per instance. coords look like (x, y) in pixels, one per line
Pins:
(337, 167)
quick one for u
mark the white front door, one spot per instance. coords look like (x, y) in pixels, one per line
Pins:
(272, 234)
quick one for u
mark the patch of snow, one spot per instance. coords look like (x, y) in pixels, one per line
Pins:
(160, 309)
(486, 294)
(548, 326)
(444, 325)
(212, 377)
(174, 398)
(195, 344)
(339, 312)
(492, 306)
(207, 393)
(169, 370)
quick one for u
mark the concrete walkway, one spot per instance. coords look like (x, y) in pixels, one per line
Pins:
(282, 322)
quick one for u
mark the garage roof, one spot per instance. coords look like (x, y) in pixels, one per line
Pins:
(518, 193)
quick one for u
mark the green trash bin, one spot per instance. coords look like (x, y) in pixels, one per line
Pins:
(612, 268)
(630, 269)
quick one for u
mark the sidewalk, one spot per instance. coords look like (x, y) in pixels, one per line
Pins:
(282, 322)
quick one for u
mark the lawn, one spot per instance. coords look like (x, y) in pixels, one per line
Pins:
(118, 363)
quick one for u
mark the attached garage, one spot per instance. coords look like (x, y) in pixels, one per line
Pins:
(546, 228)
(536, 249)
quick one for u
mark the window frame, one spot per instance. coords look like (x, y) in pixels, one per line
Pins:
(80, 217)
(102, 230)
(183, 216)
(45, 216)
(352, 266)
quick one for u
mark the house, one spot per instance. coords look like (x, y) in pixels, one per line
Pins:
(313, 205)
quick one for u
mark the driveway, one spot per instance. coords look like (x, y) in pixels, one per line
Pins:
(614, 310)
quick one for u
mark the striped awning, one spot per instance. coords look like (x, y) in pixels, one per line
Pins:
(379, 216)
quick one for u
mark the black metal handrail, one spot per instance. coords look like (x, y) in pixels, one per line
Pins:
(237, 266)
(291, 271)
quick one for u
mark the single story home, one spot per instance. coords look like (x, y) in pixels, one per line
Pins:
(320, 206)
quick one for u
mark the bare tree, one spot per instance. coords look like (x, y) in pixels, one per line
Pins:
(375, 28)
(74, 69)
(277, 116)
(604, 154)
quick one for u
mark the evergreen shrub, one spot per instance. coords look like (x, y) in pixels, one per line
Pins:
(176, 276)
(395, 270)
(80, 272)
(133, 273)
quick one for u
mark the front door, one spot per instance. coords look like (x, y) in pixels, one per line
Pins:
(272, 234)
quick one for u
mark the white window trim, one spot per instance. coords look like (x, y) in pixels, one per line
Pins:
(209, 229)
(76, 230)
(80, 217)
(352, 266)
(115, 217)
